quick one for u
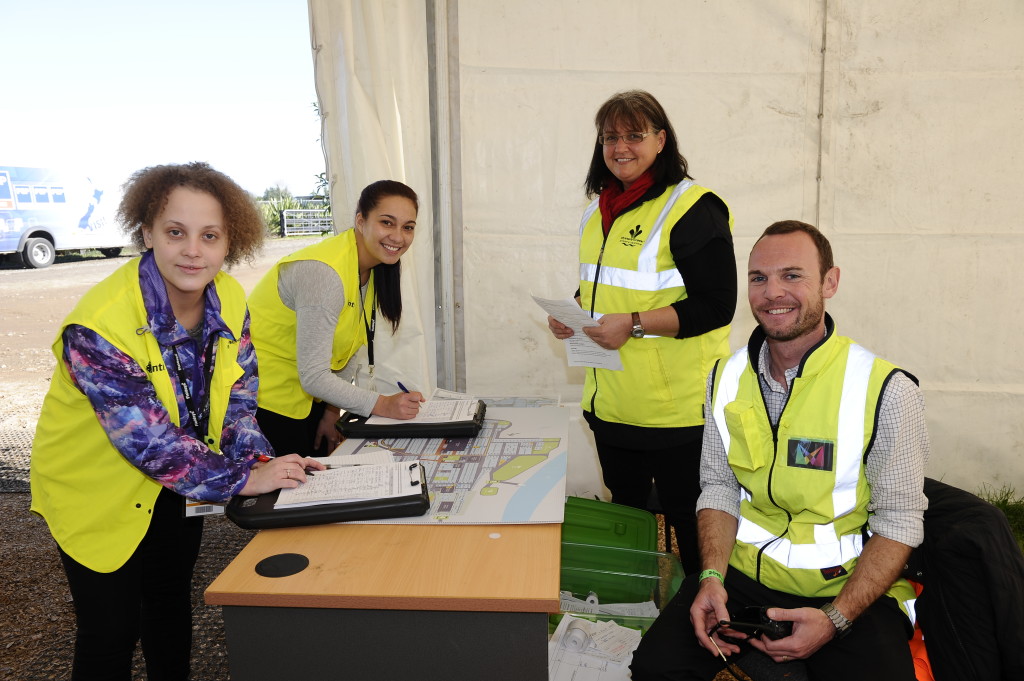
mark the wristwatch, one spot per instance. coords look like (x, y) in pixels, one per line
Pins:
(840, 622)
(638, 328)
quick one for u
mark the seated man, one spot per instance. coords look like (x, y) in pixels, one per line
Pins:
(812, 498)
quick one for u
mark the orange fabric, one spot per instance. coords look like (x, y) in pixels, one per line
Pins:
(922, 665)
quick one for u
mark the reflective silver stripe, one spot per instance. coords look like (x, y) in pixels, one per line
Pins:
(587, 213)
(728, 386)
(648, 259)
(800, 556)
(631, 279)
(850, 440)
(911, 607)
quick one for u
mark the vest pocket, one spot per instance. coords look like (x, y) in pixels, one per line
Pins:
(746, 446)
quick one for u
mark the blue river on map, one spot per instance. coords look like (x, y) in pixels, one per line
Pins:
(528, 496)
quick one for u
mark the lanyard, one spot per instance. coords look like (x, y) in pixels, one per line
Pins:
(371, 326)
(194, 413)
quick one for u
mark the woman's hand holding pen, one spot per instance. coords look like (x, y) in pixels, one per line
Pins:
(269, 474)
(403, 405)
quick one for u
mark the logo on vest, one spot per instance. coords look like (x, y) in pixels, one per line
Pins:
(150, 368)
(351, 303)
(831, 573)
(815, 454)
(634, 237)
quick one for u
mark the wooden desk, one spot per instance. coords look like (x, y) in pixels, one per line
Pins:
(393, 602)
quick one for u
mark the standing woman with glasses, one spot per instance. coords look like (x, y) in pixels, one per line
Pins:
(658, 272)
(313, 311)
(153, 400)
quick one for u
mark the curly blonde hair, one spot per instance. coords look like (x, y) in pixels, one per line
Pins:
(147, 190)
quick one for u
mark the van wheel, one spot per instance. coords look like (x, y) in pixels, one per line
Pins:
(38, 253)
(110, 252)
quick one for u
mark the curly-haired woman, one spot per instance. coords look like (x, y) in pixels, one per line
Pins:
(153, 401)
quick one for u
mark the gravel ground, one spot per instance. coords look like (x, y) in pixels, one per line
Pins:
(38, 630)
(36, 614)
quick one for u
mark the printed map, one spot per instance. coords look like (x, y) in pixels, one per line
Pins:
(512, 472)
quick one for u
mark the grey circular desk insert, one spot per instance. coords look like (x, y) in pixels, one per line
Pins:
(282, 565)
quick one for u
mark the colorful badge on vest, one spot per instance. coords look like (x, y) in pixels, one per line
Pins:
(831, 573)
(814, 454)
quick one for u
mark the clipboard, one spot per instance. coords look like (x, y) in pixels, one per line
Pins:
(355, 426)
(258, 513)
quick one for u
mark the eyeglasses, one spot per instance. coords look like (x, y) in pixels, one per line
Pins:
(628, 138)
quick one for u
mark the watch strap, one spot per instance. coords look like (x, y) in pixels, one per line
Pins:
(638, 328)
(839, 621)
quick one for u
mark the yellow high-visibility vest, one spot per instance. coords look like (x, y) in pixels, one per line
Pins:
(98, 505)
(662, 384)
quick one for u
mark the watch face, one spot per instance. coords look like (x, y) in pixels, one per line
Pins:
(637, 332)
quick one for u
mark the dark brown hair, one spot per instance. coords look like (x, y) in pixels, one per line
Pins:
(387, 279)
(147, 190)
(825, 262)
(636, 110)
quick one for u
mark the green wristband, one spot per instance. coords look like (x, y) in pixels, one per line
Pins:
(711, 573)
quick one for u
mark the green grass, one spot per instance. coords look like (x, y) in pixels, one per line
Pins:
(1008, 502)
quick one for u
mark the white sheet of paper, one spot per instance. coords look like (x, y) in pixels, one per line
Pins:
(594, 663)
(434, 411)
(442, 394)
(580, 349)
(645, 609)
(366, 456)
(615, 641)
(353, 483)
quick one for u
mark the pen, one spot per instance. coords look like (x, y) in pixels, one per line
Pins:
(404, 389)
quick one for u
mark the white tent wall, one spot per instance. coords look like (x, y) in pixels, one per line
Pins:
(899, 140)
(372, 91)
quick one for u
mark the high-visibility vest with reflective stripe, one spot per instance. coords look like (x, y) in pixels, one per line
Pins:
(97, 505)
(273, 325)
(661, 385)
(804, 493)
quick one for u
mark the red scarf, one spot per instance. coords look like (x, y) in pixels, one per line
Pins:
(613, 200)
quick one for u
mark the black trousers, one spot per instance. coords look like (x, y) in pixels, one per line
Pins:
(675, 471)
(876, 648)
(149, 597)
(288, 435)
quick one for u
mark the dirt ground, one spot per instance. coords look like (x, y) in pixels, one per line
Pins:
(36, 614)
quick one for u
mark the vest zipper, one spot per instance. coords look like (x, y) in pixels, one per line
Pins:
(593, 299)
(771, 474)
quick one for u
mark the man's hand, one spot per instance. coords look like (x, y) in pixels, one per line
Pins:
(707, 610)
(811, 630)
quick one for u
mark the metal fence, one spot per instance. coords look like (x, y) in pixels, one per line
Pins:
(298, 221)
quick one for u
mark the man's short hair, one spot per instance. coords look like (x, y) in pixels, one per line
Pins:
(825, 261)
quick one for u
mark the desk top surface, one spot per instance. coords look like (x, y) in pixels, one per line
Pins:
(505, 568)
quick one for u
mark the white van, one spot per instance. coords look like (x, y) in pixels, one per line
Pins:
(43, 211)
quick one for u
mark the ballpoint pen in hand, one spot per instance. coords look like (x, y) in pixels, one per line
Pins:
(404, 389)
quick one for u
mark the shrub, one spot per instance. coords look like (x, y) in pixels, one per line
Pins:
(1008, 502)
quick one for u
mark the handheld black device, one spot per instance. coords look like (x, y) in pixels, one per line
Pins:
(754, 620)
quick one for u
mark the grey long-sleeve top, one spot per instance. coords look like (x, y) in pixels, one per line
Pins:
(315, 292)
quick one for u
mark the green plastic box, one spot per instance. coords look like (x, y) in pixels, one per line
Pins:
(618, 575)
(600, 523)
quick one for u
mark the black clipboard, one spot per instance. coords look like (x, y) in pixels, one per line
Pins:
(353, 425)
(258, 513)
